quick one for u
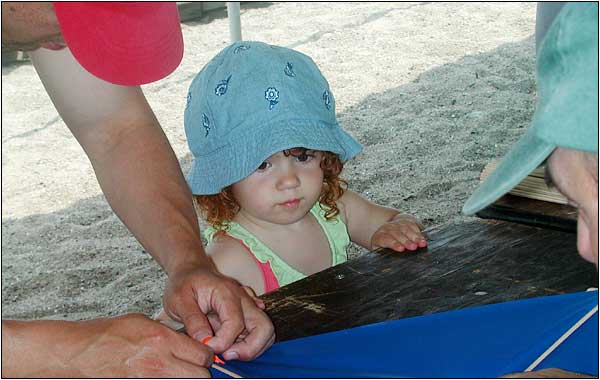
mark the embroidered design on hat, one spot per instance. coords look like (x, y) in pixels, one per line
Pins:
(272, 95)
(189, 100)
(327, 99)
(240, 48)
(205, 124)
(221, 88)
(289, 70)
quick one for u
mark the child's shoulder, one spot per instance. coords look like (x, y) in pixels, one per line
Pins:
(225, 246)
(347, 200)
(229, 254)
(232, 258)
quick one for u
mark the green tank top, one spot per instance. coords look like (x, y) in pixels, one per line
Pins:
(335, 230)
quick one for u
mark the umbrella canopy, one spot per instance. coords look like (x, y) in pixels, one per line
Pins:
(484, 341)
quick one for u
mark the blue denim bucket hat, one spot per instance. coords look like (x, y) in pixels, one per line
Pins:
(251, 101)
(566, 113)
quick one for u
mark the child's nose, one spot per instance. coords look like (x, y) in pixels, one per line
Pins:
(288, 180)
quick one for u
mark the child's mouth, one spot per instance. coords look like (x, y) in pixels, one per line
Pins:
(292, 203)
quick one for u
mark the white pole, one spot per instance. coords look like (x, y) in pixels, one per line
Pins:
(562, 339)
(235, 27)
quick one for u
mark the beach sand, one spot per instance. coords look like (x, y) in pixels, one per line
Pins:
(433, 91)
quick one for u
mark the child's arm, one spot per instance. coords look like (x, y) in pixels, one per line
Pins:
(233, 260)
(373, 226)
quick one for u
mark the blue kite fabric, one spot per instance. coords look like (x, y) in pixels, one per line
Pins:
(477, 342)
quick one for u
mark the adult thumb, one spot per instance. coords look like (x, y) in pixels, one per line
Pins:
(195, 322)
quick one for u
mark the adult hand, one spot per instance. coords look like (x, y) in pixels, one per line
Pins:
(29, 25)
(401, 233)
(548, 373)
(127, 346)
(206, 302)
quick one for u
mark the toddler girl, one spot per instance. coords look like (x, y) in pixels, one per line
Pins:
(268, 151)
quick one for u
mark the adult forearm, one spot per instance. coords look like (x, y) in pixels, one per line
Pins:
(133, 160)
(127, 346)
(143, 183)
(36, 349)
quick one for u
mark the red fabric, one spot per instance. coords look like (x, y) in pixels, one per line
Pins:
(126, 43)
(269, 280)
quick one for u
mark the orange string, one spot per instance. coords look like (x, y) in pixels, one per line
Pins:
(216, 359)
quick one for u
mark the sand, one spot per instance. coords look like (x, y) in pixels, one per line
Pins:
(433, 91)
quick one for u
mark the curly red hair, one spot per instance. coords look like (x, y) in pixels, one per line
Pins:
(219, 209)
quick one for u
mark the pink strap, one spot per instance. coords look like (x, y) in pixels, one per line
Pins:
(269, 280)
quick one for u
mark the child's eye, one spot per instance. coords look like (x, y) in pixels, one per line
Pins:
(263, 166)
(304, 157)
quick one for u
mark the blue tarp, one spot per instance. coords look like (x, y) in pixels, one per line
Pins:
(483, 341)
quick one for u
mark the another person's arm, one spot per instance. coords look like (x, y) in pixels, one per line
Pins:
(127, 346)
(142, 181)
(548, 373)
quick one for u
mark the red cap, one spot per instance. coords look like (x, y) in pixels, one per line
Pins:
(124, 43)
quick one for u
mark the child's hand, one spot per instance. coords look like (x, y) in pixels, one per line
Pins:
(401, 233)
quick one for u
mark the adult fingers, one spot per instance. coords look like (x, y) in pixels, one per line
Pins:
(188, 350)
(195, 322)
(230, 315)
(186, 370)
(257, 301)
(214, 320)
(260, 335)
(251, 348)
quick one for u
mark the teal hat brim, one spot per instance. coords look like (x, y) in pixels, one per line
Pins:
(209, 174)
(527, 154)
(566, 115)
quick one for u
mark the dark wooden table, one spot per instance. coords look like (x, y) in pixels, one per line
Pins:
(468, 264)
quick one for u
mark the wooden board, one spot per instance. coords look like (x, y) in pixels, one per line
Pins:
(531, 202)
(532, 186)
(532, 212)
(469, 264)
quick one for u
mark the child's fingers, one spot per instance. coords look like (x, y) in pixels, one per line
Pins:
(395, 240)
(404, 241)
(417, 235)
(416, 227)
(402, 218)
(384, 240)
(413, 231)
(419, 225)
(407, 233)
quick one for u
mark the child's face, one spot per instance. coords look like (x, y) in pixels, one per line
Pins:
(283, 188)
